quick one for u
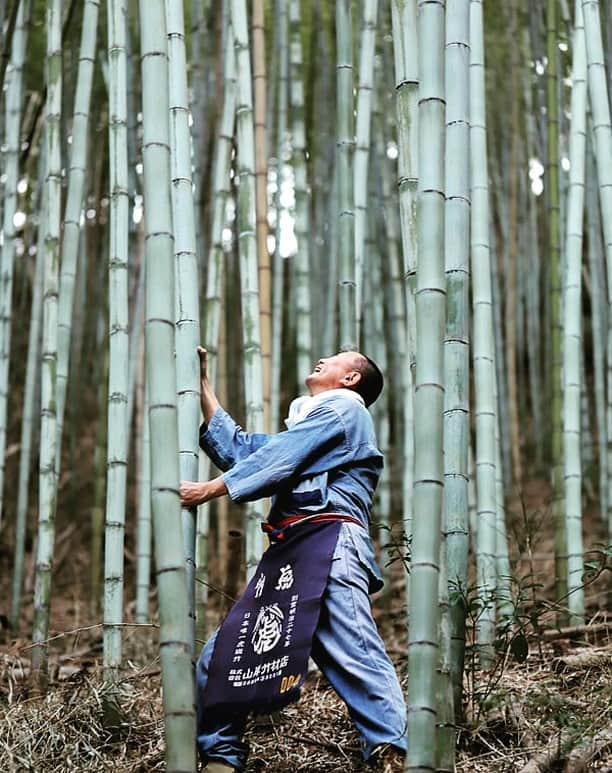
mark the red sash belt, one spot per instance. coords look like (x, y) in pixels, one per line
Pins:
(277, 530)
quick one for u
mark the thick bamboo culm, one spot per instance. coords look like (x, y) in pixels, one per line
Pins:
(99, 471)
(533, 279)
(282, 101)
(423, 648)
(378, 345)
(503, 585)
(554, 274)
(13, 99)
(599, 100)
(264, 263)
(200, 80)
(572, 327)
(302, 200)
(501, 399)
(247, 246)
(456, 345)
(220, 193)
(445, 714)
(405, 50)
(27, 426)
(175, 634)
(74, 205)
(454, 543)
(483, 348)
(393, 281)
(136, 351)
(599, 301)
(511, 289)
(365, 86)
(47, 502)
(347, 292)
(214, 294)
(143, 532)
(118, 338)
(405, 53)
(187, 282)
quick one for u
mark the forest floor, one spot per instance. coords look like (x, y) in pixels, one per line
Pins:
(546, 704)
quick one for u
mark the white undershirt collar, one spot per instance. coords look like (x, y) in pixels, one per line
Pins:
(304, 405)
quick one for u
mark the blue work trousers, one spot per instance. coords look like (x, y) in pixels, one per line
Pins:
(349, 651)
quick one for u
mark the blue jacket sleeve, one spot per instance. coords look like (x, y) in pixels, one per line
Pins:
(226, 443)
(317, 441)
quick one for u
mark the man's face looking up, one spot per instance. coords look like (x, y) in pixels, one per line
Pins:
(336, 372)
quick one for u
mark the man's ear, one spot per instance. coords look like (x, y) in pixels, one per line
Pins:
(351, 379)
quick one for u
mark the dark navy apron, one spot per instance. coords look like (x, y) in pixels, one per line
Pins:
(260, 659)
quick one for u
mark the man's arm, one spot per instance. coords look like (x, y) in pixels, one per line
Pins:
(208, 399)
(225, 442)
(317, 444)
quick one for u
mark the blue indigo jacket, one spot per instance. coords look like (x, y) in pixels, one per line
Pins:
(327, 462)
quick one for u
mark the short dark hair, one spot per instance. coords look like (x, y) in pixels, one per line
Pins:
(371, 383)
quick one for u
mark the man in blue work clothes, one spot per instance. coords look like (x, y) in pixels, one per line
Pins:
(324, 468)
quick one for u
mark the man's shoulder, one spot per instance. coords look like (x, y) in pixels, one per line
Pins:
(345, 403)
(348, 409)
(353, 414)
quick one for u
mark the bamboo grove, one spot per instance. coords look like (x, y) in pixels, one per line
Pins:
(428, 181)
